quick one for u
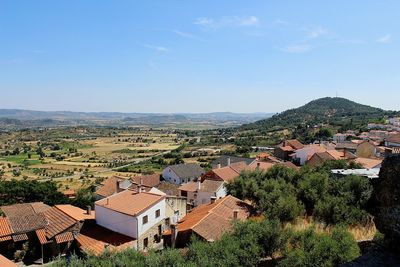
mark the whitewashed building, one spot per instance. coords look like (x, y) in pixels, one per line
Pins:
(137, 215)
(182, 173)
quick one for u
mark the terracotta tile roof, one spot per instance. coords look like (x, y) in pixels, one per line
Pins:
(4, 262)
(5, 238)
(287, 148)
(39, 207)
(20, 237)
(58, 222)
(41, 235)
(346, 145)
(94, 239)
(64, 237)
(190, 187)
(5, 227)
(130, 203)
(210, 221)
(23, 218)
(76, 213)
(109, 186)
(394, 138)
(227, 174)
(210, 185)
(368, 163)
(151, 180)
(296, 144)
(261, 165)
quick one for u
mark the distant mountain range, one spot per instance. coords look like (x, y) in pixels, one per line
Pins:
(328, 110)
(18, 118)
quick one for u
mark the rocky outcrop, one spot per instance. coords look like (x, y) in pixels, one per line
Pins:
(385, 201)
(385, 206)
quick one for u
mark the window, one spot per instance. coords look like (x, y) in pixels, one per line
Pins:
(145, 242)
(183, 193)
(157, 213)
(145, 219)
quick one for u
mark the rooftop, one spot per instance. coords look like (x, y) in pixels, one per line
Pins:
(76, 213)
(130, 203)
(109, 186)
(187, 171)
(210, 221)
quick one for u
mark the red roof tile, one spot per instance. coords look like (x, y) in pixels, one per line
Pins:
(5, 228)
(109, 186)
(94, 239)
(129, 202)
(64, 237)
(4, 262)
(151, 180)
(76, 213)
(210, 221)
(41, 235)
(58, 222)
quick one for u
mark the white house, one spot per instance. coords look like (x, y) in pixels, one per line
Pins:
(202, 192)
(182, 173)
(304, 154)
(137, 215)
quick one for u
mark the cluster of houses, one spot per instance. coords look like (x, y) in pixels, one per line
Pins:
(140, 213)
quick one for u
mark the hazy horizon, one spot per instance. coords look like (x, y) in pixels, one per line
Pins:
(196, 57)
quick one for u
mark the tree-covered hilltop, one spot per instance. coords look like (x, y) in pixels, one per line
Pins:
(329, 110)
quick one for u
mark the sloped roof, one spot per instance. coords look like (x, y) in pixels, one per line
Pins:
(76, 213)
(4, 262)
(109, 186)
(346, 145)
(187, 171)
(41, 235)
(205, 186)
(64, 237)
(150, 180)
(296, 144)
(226, 173)
(58, 222)
(210, 221)
(223, 160)
(23, 218)
(5, 227)
(130, 203)
(394, 138)
(94, 239)
(261, 165)
(368, 163)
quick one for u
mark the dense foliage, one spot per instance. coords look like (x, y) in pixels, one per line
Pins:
(334, 111)
(249, 244)
(24, 191)
(285, 194)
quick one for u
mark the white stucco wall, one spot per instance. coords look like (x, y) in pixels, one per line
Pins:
(117, 222)
(151, 213)
(129, 225)
(170, 176)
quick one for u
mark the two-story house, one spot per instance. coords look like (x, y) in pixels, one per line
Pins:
(137, 215)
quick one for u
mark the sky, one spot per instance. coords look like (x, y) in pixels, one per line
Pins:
(197, 56)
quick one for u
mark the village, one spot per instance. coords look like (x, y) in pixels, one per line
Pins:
(166, 209)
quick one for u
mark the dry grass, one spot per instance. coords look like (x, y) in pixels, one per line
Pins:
(360, 233)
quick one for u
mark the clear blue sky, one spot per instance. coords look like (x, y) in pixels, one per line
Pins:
(197, 56)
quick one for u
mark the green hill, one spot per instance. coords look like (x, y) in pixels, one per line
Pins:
(334, 111)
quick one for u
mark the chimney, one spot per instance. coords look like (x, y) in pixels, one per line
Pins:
(107, 201)
(219, 166)
(198, 185)
(213, 199)
(118, 185)
(139, 189)
(174, 234)
(235, 214)
(89, 209)
(258, 165)
(228, 161)
(141, 181)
